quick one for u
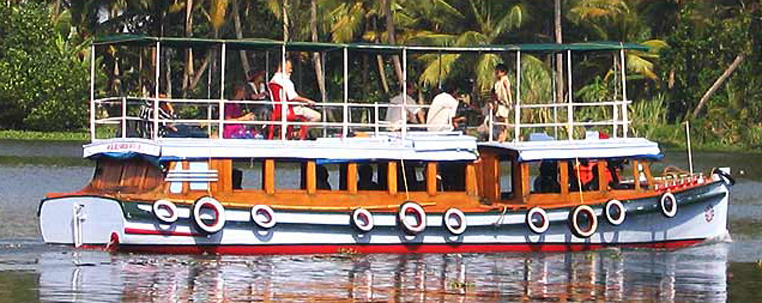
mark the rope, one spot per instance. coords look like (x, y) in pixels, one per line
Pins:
(404, 179)
(502, 216)
(579, 181)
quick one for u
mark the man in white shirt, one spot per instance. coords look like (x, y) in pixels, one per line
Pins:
(284, 80)
(394, 114)
(441, 116)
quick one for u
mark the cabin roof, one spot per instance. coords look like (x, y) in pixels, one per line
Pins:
(264, 44)
(579, 149)
(418, 146)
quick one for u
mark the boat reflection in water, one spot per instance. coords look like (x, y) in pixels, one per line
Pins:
(697, 273)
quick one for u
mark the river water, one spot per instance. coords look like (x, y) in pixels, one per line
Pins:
(31, 271)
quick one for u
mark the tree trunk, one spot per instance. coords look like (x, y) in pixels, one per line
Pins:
(559, 57)
(188, 74)
(718, 83)
(239, 35)
(316, 55)
(387, 6)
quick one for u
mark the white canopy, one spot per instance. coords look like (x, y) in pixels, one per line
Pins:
(581, 149)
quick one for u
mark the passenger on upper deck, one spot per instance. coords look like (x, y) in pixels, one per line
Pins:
(414, 113)
(166, 112)
(233, 112)
(504, 99)
(443, 110)
(283, 79)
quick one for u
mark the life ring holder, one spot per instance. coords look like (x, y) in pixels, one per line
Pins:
(411, 228)
(362, 220)
(219, 215)
(165, 211)
(263, 216)
(544, 221)
(460, 225)
(574, 219)
(725, 177)
(611, 217)
(666, 209)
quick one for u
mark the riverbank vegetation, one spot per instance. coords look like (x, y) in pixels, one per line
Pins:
(695, 47)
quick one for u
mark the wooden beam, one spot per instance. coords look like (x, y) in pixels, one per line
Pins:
(563, 173)
(635, 174)
(524, 179)
(269, 176)
(431, 178)
(471, 186)
(311, 177)
(352, 177)
(491, 176)
(647, 171)
(391, 176)
(186, 184)
(602, 185)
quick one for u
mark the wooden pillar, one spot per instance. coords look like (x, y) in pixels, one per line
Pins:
(524, 179)
(431, 178)
(186, 184)
(352, 177)
(224, 169)
(391, 175)
(491, 176)
(635, 174)
(269, 176)
(311, 177)
(647, 171)
(602, 171)
(471, 187)
(563, 173)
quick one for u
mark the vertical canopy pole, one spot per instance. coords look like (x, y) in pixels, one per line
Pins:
(345, 118)
(324, 94)
(517, 108)
(283, 96)
(553, 82)
(222, 88)
(92, 92)
(625, 121)
(267, 66)
(124, 117)
(403, 87)
(615, 107)
(570, 113)
(155, 132)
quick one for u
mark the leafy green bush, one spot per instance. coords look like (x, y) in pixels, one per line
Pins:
(43, 83)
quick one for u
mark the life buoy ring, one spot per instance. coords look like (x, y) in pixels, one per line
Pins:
(576, 216)
(725, 177)
(455, 221)
(615, 212)
(537, 220)
(263, 216)
(418, 224)
(668, 204)
(165, 211)
(362, 220)
(208, 215)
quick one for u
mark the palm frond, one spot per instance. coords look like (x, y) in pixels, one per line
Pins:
(513, 19)
(438, 69)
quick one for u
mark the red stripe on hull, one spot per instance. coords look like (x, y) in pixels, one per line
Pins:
(387, 249)
(138, 231)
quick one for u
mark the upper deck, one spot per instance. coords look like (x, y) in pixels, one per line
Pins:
(352, 129)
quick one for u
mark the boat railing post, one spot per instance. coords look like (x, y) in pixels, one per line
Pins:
(283, 96)
(324, 95)
(222, 89)
(345, 115)
(92, 92)
(570, 107)
(375, 117)
(403, 87)
(124, 117)
(155, 132)
(625, 115)
(491, 126)
(554, 97)
(517, 109)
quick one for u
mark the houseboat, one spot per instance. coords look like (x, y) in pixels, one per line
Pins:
(367, 187)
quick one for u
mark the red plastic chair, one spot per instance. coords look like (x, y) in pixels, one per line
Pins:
(276, 91)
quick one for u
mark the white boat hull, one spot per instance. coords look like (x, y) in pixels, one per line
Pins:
(701, 215)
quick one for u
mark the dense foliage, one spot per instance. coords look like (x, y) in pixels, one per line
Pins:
(43, 83)
(43, 66)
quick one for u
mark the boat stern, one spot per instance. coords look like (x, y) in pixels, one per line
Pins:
(81, 220)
